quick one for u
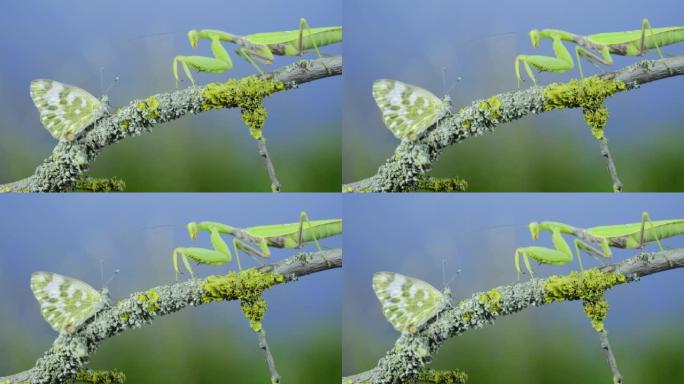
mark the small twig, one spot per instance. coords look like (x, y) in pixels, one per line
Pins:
(605, 345)
(263, 345)
(605, 153)
(263, 152)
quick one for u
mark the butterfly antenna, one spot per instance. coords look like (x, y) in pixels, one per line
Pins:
(458, 79)
(101, 79)
(116, 271)
(444, 263)
(116, 79)
(102, 273)
(458, 271)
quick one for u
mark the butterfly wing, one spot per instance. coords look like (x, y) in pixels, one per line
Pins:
(65, 303)
(407, 302)
(65, 110)
(407, 110)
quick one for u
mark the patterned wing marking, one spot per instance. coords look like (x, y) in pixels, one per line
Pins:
(65, 303)
(407, 303)
(407, 110)
(65, 110)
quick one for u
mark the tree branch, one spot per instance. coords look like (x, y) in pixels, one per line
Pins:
(70, 352)
(402, 171)
(69, 160)
(411, 352)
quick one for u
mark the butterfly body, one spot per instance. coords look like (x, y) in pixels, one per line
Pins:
(66, 303)
(408, 110)
(65, 110)
(408, 303)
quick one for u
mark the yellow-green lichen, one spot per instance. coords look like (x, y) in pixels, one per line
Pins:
(125, 316)
(125, 124)
(588, 286)
(149, 107)
(467, 316)
(491, 107)
(248, 94)
(441, 184)
(100, 377)
(589, 94)
(246, 286)
(150, 300)
(454, 376)
(491, 300)
(349, 188)
(93, 184)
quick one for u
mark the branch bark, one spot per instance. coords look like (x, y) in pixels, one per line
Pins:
(412, 352)
(70, 160)
(70, 352)
(403, 170)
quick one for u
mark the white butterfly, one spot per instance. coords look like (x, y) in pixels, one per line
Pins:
(65, 110)
(66, 303)
(408, 110)
(407, 302)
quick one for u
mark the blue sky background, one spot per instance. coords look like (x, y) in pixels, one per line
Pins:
(478, 234)
(479, 41)
(71, 40)
(136, 233)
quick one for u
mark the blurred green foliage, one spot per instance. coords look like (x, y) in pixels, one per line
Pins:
(167, 353)
(512, 351)
(527, 156)
(181, 157)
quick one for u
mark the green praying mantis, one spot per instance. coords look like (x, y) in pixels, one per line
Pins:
(256, 47)
(627, 43)
(289, 236)
(630, 236)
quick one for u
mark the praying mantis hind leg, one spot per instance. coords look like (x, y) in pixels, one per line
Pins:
(644, 25)
(646, 218)
(304, 25)
(304, 218)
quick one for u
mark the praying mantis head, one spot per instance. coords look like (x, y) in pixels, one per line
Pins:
(534, 230)
(193, 36)
(192, 230)
(534, 37)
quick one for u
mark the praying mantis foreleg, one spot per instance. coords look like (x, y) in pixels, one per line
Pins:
(259, 47)
(262, 238)
(603, 238)
(596, 48)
